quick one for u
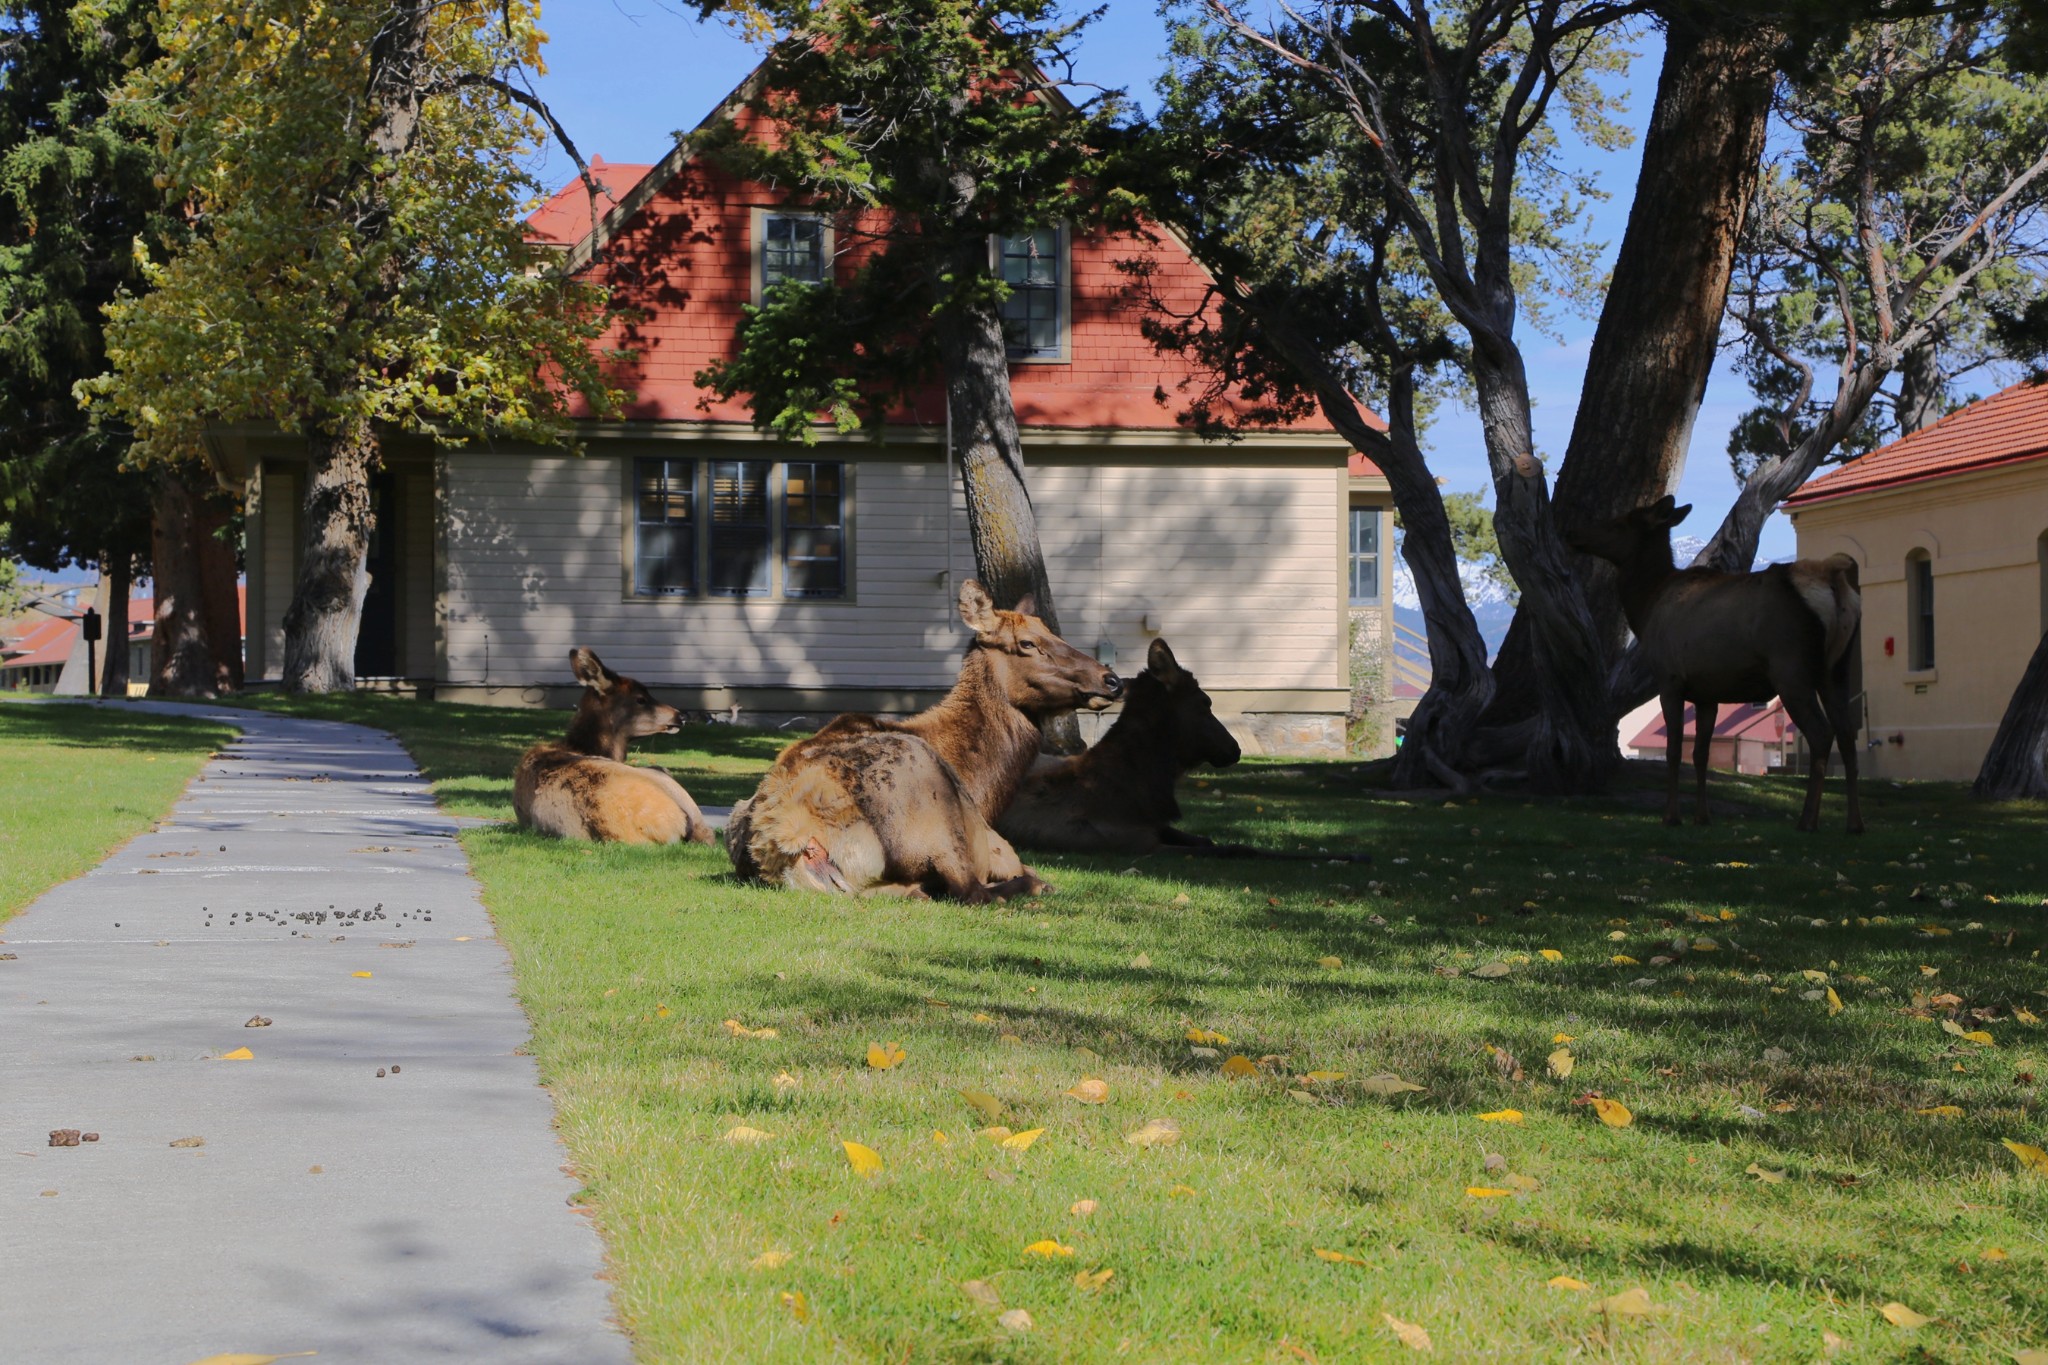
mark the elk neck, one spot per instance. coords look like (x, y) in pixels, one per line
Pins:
(988, 742)
(593, 731)
(1643, 579)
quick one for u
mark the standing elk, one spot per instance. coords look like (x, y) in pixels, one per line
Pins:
(583, 788)
(905, 807)
(1790, 631)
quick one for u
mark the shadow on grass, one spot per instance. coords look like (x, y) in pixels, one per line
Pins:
(83, 725)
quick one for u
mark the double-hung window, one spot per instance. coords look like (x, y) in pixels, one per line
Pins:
(1365, 556)
(793, 246)
(1919, 611)
(1033, 265)
(739, 528)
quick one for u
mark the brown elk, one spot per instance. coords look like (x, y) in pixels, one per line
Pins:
(1791, 630)
(1118, 796)
(583, 788)
(905, 807)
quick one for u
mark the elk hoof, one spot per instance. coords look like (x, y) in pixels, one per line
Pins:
(814, 870)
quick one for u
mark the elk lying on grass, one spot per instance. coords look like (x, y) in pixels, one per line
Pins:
(1118, 797)
(905, 807)
(1790, 631)
(583, 788)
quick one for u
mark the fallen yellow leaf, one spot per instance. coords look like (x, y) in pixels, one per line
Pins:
(1386, 1083)
(1018, 1142)
(1550, 954)
(770, 1260)
(994, 1132)
(1487, 1192)
(1142, 961)
(1082, 1208)
(1155, 1133)
(1339, 1257)
(739, 1030)
(1977, 1035)
(1834, 1003)
(1016, 1320)
(1181, 1192)
(1014, 1041)
(240, 1054)
(785, 1081)
(986, 1105)
(1492, 971)
(1047, 1248)
(939, 1138)
(1090, 1091)
(2030, 1357)
(1622, 960)
(864, 1160)
(1942, 1111)
(364, 975)
(1330, 963)
(1767, 1177)
(744, 1134)
(1993, 1254)
(1240, 1066)
(1561, 1063)
(1628, 1303)
(1613, 1113)
(1325, 1077)
(2031, 1158)
(1093, 1279)
(982, 1292)
(1412, 1336)
(1898, 1315)
(883, 1056)
(1502, 1116)
(799, 1307)
(1206, 1037)
(1557, 1038)
(1567, 1282)
(660, 1011)
(1527, 1184)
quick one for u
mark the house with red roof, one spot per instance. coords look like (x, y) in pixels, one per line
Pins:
(1949, 529)
(736, 572)
(44, 650)
(1754, 737)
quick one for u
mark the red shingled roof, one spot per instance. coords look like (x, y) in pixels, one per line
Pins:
(565, 219)
(1765, 721)
(2009, 427)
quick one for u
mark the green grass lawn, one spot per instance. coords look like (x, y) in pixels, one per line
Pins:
(76, 782)
(1729, 1054)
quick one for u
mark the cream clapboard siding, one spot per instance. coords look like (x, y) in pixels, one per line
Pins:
(1239, 565)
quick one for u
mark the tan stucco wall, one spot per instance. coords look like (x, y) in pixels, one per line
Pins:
(1982, 532)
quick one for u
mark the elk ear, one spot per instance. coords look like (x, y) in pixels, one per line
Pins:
(590, 670)
(977, 608)
(1027, 605)
(1673, 514)
(1665, 503)
(1159, 661)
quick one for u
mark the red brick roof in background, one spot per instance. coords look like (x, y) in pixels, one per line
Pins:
(683, 260)
(1361, 467)
(565, 219)
(50, 639)
(1766, 722)
(2009, 427)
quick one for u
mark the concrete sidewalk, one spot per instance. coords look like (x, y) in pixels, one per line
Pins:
(306, 877)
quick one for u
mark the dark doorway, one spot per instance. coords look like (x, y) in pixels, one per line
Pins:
(377, 637)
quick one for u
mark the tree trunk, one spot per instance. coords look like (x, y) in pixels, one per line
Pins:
(219, 601)
(118, 577)
(1646, 372)
(327, 603)
(1921, 386)
(181, 659)
(2017, 763)
(1001, 523)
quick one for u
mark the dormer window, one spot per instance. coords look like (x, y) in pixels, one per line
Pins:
(792, 246)
(1034, 265)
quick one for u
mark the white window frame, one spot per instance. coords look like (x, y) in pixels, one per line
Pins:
(1063, 352)
(1379, 555)
(757, 228)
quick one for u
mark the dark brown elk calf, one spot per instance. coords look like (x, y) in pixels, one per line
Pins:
(1789, 631)
(868, 804)
(1118, 796)
(583, 788)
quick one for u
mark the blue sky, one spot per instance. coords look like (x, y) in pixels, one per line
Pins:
(626, 74)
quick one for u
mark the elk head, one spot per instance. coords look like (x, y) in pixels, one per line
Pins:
(614, 710)
(1626, 538)
(1037, 671)
(1198, 737)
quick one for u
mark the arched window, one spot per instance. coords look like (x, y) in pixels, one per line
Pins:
(1919, 611)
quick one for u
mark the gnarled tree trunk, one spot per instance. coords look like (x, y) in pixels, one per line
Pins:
(2017, 763)
(1001, 522)
(181, 658)
(219, 600)
(327, 604)
(1646, 372)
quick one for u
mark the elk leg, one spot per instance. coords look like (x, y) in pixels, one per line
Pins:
(1837, 708)
(1704, 714)
(814, 870)
(1812, 720)
(1674, 751)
